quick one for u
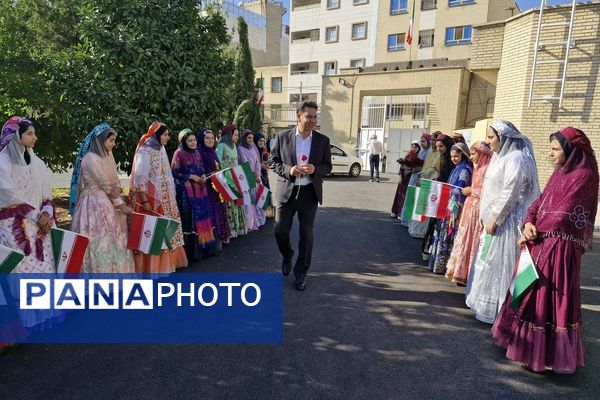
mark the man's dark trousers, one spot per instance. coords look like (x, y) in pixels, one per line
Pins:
(374, 164)
(306, 207)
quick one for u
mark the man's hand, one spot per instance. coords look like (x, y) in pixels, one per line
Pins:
(45, 222)
(296, 171)
(307, 169)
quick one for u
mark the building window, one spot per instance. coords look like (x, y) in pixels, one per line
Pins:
(331, 4)
(395, 42)
(357, 63)
(398, 7)
(331, 34)
(394, 112)
(426, 38)
(276, 111)
(428, 5)
(276, 84)
(418, 113)
(453, 3)
(359, 2)
(359, 31)
(330, 68)
(459, 35)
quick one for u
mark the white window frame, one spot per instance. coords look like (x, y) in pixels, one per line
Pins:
(365, 31)
(331, 6)
(362, 61)
(280, 84)
(337, 34)
(432, 36)
(325, 68)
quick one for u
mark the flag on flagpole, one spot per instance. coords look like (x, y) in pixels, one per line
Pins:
(263, 197)
(147, 233)
(9, 259)
(244, 181)
(411, 26)
(224, 184)
(433, 198)
(410, 205)
(69, 250)
(525, 276)
(261, 93)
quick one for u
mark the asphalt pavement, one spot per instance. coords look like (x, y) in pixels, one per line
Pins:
(374, 323)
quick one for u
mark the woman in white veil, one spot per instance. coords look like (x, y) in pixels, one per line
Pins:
(510, 186)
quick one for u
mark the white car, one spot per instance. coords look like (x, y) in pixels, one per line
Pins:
(344, 163)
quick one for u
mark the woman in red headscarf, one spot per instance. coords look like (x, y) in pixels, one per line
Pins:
(544, 332)
(152, 192)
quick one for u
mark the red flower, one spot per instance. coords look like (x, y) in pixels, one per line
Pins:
(303, 158)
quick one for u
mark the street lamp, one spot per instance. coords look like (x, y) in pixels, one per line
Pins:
(347, 84)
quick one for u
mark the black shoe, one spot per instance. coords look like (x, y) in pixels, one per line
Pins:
(286, 266)
(301, 284)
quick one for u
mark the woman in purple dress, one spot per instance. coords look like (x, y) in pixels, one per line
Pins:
(206, 147)
(544, 332)
(247, 152)
(199, 233)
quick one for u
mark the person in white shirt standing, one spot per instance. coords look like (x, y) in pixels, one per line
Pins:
(376, 154)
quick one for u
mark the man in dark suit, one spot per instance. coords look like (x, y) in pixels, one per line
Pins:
(301, 157)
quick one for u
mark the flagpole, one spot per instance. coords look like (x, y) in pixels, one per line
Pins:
(443, 183)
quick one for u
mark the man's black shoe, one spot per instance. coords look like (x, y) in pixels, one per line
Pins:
(286, 267)
(300, 284)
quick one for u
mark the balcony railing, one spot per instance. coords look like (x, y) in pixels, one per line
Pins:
(282, 115)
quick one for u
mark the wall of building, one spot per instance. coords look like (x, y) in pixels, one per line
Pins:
(319, 17)
(581, 106)
(272, 11)
(267, 73)
(445, 87)
(438, 20)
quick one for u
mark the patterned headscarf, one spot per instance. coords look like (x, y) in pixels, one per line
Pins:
(9, 139)
(577, 148)
(227, 135)
(511, 139)
(100, 130)
(152, 136)
(182, 137)
(463, 149)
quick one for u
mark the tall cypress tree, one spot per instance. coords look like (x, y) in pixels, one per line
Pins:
(245, 72)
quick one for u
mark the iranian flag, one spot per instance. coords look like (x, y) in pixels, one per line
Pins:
(147, 233)
(525, 276)
(433, 198)
(224, 183)
(9, 259)
(410, 205)
(170, 230)
(69, 250)
(411, 26)
(263, 197)
(244, 181)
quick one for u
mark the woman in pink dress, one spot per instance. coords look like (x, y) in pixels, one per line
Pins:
(469, 228)
(247, 152)
(152, 192)
(544, 332)
(98, 209)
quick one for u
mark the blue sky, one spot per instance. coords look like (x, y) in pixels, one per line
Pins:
(523, 4)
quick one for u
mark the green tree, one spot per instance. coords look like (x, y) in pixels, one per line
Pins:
(247, 116)
(244, 88)
(72, 64)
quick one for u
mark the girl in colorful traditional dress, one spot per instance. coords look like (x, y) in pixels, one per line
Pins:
(152, 192)
(544, 332)
(430, 170)
(26, 210)
(199, 233)
(407, 165)
(509, 187)
(206, 147)
(255, 217)
(469, 229)
(445, 230)
(98, 209)
(228, 157)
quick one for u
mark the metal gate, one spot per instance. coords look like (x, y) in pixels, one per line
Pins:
(403, 116)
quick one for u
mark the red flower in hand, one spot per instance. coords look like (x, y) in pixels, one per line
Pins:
(303, 158)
